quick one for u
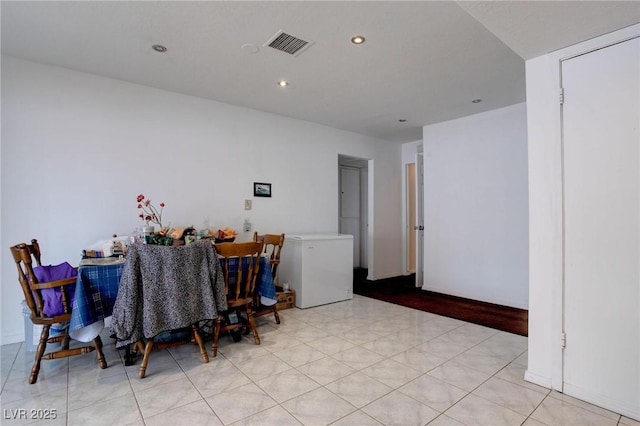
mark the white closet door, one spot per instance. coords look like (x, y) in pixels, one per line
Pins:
(601, 152)
(350, 208)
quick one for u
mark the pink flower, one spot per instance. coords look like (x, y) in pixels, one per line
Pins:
(149, 212)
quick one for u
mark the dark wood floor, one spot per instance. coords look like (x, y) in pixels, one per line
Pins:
(402, 291)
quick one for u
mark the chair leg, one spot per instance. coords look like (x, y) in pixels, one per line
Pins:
(203, 350)
(65, 342)
(102, 361)
(216, 335)
(145, 359)
(275, 313)
(42, 346)
(138, 348)
(252, 325)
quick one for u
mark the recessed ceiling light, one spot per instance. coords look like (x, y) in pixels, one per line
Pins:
(159, 48)
(476, 101)
(283, 83)
(357, 39)
(250, 48)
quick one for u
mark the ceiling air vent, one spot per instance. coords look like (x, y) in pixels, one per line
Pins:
(287, 43)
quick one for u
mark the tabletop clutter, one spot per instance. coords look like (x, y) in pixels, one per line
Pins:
(184, 235)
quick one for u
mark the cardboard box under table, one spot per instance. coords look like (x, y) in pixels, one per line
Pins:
(286, 299)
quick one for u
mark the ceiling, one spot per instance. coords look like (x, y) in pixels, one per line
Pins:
(423, 61)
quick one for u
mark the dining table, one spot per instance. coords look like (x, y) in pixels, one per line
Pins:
(99, 282)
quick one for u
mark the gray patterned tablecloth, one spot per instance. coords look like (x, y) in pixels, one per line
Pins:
(166, 288)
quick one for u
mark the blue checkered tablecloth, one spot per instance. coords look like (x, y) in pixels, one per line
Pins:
(96, 291)
(264, 281)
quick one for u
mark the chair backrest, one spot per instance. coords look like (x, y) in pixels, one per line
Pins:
(23, 255)
(272, 247)
(240, 264)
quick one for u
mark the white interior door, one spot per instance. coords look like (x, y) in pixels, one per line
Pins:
(601, 166)
(412, 223)
(364, 221)
(350, 208)
(419, 220)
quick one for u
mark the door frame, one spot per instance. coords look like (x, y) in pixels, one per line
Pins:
(366, 206)
(357, 242)
(413, 156)
(419, 219)
(411, 218)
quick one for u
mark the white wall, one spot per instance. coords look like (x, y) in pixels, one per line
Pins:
(545, 207)
(77, 149)
(475, 207)
(409, 151)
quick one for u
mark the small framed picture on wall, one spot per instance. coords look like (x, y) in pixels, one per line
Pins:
(261, 189)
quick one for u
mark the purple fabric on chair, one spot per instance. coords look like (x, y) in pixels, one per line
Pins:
(52, 297)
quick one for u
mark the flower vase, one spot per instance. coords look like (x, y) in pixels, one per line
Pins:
(145, 233)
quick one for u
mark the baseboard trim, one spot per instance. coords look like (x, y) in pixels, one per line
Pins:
(603, 401)
(538, 380)
(497, 301)
(12, 338)
(384, 276)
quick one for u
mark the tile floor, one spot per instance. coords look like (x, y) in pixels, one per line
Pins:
(359, 362)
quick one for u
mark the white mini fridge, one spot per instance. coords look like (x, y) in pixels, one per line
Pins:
(319, 267)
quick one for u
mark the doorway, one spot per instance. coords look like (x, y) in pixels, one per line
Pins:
(414, 218)
(353, 182)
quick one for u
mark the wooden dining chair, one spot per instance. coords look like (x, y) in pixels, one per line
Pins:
(272, 247)
(49, 304)
(240, 264)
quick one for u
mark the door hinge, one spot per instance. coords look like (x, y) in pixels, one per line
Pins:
(563, 340)
(562, 96)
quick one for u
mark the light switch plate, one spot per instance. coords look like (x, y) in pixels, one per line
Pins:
(247, 204)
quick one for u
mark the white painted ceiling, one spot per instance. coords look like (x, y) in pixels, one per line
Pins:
(423, 61)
